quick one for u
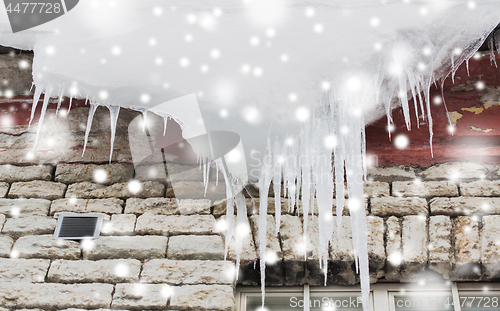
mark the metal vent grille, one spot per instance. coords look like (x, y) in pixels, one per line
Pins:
(78, 227)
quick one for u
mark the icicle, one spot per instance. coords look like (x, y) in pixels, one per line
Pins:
(323, 170)
(36, 99)
(264, 183)
(230, 195)
(93, 108)
(453, 68)
(491, 46)
(278, 158)
(402, 86)
(46, 99)
(144, 117)
(241, 223)
(114, 111)
(216, 174)
(338, 153)
(165, 120)
(306, 180)
(59, 100)
(70, 101)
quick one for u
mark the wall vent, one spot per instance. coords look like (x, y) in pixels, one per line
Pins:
(78, 226)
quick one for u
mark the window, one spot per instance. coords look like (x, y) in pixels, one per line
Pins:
(383, 297)
(338, 298)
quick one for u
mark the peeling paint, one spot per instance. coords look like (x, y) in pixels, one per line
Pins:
(476, 110)
(454, 117)
(472, 127)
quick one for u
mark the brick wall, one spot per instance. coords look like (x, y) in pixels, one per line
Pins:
(422, 225)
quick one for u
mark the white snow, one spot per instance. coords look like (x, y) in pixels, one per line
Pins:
(296, 80)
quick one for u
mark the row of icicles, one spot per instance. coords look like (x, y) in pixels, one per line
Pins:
(301, 167)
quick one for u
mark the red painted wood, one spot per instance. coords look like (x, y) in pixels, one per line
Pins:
(466, 144)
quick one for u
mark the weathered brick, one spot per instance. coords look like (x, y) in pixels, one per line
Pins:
(4, 188)
(376, 189)
(188, 272)
(376, 251)
(196, 190)
(392, 173)
(88, 190)
(455, 171)
(272, 242)
(107, 206)
(253, 205)
(120, 224)
(393, 249)
(490, 247)
(467, 249)
(248, 254)
(315, 275)
(24, 207)
(190, 206)
(195, 247)
(219, 207)
(481, 188)
(274, 257)
(425, 189)
(43, 246)
(37, 189)
(31, 225)
(292, 242)
(23, 270)
(341, 264)
(5, 245)
(414, 241)
(76, 173)
(345, 211)
(18, 80)
(440, 249)
(153, 172)
(141, 296)
(55, 296)
(203, 297)
(185, 172)
(390, 206)
(11, 173)
(464, 206)
(136, 247)
(100, 271)
(176, 224)
(157, 206)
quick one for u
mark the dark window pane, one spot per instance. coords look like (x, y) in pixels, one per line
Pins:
(283, 302)
(429, 302)
(480, 301)
(336, 301)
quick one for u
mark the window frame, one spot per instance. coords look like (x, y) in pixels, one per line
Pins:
(381, 294)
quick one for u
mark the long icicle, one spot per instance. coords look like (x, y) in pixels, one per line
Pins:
(93, 108)
(264, 183)
(46, 99)
(36, 99)
(114, 111)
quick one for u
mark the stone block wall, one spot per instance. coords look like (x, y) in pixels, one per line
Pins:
(158, 252)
